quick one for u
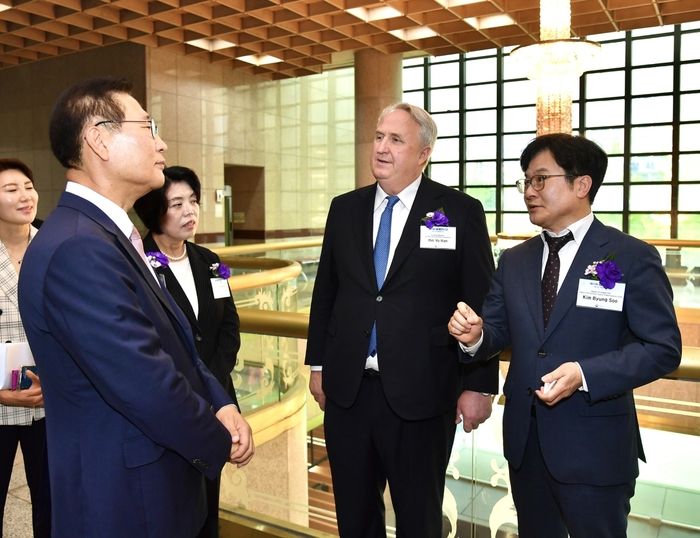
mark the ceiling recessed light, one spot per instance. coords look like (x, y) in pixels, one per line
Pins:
(412, 34)
(210, 44)
(375, 13)
(259, 59)
(490, 21)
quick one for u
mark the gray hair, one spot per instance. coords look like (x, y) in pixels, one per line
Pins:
(428, 129)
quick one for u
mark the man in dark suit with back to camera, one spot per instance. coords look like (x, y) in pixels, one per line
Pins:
(384, 366)
(136, 420)
(588, 313)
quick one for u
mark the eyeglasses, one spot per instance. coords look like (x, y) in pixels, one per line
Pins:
(151, 122)
(536, 182)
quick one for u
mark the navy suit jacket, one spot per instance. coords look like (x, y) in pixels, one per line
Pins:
(420, 373)
(216, 329)
(591, 437)
(132, 431)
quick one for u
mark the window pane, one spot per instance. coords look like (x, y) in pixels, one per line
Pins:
(651, 80)
(518, 223)
(519, 119)
(447, 124)
(616, 170)
(481, 70)
(608, 198)
(513, 200)
(446, 149)
(650, 226)
(650, 168)
(487, 196)
(689, 167)
(522, 92)
(511, 172)
(481, 147)
(611, 140)
(415, 98)
(447, 99)
(605, 113)
(480, 122)
(690, 77)
(412, 61)
(610, 84)
(481, 173)
(690, 46)
(610, 219)
(612, 55)
(690, 106)
(651, 139)
(444, 75)
(447, 174)
(689, 227)
(652, 51)
(480, 96)
(689, 137)
(652, 110)
(688, 196)
(511, 69)
(491, 223)
(513, 145)
(413, 78)
(650, 198)
(446, 58)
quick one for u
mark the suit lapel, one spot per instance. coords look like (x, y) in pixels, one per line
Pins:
(592, 248)
(363, 227)
(532, 278)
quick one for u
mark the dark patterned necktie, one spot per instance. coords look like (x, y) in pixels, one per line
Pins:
(381, 258)
(550, 278)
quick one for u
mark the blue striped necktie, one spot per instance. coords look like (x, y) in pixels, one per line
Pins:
(381, 258)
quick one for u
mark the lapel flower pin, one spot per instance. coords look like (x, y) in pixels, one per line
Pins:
(605, 271)
(157, 260)
(220, 270)
(435, 218)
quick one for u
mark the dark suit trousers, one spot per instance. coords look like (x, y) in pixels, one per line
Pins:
(368, 445)
(549, 509)
(210, 529)
(32, 440)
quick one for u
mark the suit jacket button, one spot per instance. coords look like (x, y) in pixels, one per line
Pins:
(529, 391)
(379, 298)
(198, 338)
(542, 353)
(367, 333)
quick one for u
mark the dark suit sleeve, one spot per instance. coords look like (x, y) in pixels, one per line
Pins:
(323, 297)
(93, 306)
(477, 271)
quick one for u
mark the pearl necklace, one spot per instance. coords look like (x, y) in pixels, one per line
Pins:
(178, 258)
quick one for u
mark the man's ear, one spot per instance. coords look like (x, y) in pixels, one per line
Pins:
(95, 141)
(583, 187)
(425, 154)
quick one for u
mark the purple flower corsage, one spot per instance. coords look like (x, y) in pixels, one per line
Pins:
(435, 218)
(220, 270)
(157, 259)
(605, 271)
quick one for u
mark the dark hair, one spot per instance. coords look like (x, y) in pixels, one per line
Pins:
(152, 207)
(16, 164)
(79, 105)
(577, 155)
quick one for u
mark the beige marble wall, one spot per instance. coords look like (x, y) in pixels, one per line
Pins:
(300, 130)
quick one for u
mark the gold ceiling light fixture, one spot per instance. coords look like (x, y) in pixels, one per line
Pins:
(555, 64)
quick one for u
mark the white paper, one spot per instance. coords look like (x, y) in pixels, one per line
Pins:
(12, 357)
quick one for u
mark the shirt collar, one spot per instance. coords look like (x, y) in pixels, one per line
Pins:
(115, 213)
(406, 196)
(579, 229)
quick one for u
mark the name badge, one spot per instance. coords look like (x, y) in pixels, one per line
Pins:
(220, 288)
(440, 237)
(591, 294)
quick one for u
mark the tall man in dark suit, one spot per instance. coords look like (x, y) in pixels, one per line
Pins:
(136, 420)
(384, 367)
(586, 326)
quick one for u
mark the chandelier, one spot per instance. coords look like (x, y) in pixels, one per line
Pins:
(555, 64)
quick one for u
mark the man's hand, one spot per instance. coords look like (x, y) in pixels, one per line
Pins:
(31, 397)
(315, 386)
(473, 408)
(465, 325)
(242, 446)
(568, 380)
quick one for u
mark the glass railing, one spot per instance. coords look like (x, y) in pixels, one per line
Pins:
(274, 321)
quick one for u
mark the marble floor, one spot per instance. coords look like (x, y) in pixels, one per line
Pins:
(17, 521)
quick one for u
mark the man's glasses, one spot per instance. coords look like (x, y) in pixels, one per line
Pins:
(536, 182)
(151, 122)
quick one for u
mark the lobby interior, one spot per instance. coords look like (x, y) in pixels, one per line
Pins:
(273, 103)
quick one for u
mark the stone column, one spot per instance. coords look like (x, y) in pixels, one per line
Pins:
(378, 80)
